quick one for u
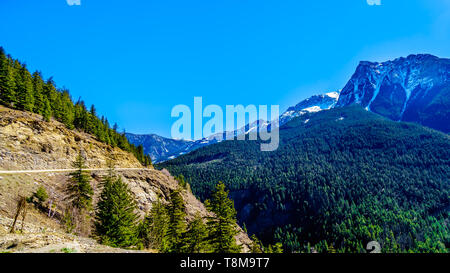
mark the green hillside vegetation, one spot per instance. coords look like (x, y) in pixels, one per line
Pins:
(19, 89)
(164, 228)
(338, 181)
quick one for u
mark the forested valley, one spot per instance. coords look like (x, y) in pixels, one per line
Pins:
(340, 179)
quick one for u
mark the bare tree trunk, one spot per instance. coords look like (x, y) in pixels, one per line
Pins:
(50, 208)
(24, 214)
(21, 203)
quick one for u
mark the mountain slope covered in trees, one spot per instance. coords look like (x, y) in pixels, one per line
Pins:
(340, 179)
(53, 204)
(21, 90)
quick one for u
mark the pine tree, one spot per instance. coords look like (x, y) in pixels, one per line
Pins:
(50, 91)
(140, 152)
(277, 248)
(79, 188)
(181, 181)
(92, 120)
(111, 174)
(25, 96)
(18, 82)
(152, 231)
(116, 217)
(7, 81)
(256, 246)
(147, 161)
(222, 226)
(38, 89)
(176, 228)
(3, 74)
(195, 239)
(66, 114)
(47, 112)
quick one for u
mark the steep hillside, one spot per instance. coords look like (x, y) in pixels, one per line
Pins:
(29, 143)
(341, 177)
(21, 90)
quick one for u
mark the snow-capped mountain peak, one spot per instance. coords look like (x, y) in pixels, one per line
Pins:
(414, 89)
(313, 104)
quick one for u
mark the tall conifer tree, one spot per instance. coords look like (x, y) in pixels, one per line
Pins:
(25, 98)
(116, 217)
(222, 226)
(38, 90)
(195, 238)
(177, 225)
(153, 229)
(7, 80)
(79, 188)
(47, 112)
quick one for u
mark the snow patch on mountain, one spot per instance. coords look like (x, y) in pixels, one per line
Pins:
(405, 89)
(313, 104)
(413, 89)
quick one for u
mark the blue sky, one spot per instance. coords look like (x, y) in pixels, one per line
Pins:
(135, 60)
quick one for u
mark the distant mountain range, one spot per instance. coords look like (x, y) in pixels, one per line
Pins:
(158, 147)
(161, 149)
(313, 104)
(413, 89)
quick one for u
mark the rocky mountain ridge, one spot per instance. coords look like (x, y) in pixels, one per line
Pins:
(162, 149)
(414, 89)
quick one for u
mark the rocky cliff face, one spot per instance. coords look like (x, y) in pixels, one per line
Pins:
(28, 143)
(414, 89)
